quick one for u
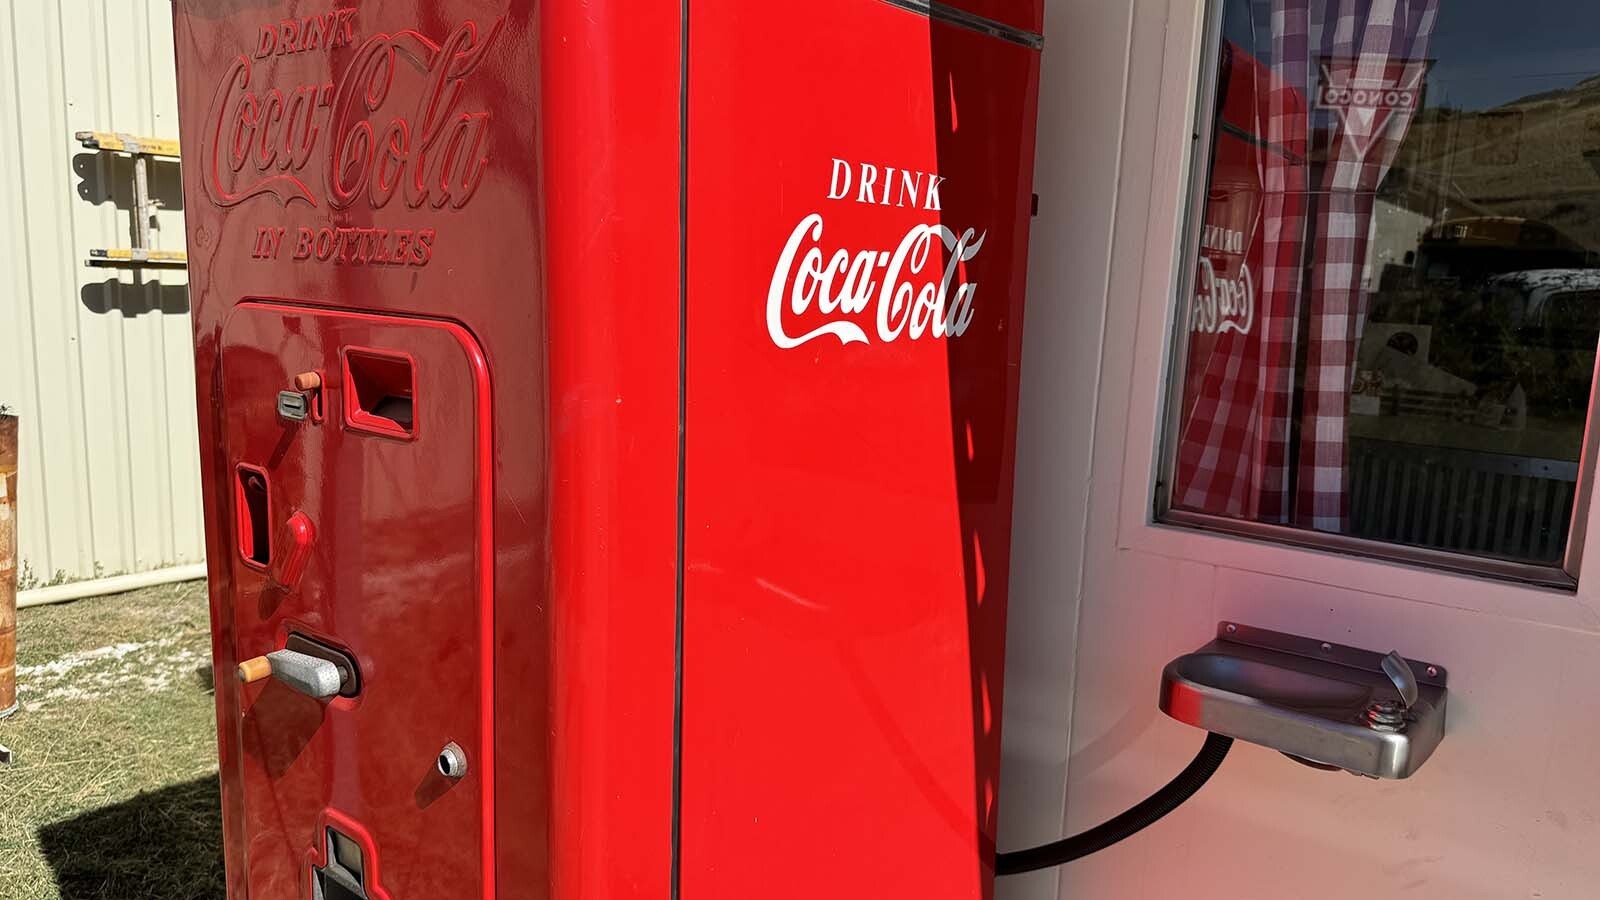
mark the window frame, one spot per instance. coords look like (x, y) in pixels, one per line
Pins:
(1563, 576)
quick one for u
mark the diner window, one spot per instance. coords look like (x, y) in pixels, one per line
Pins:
(1389, 319)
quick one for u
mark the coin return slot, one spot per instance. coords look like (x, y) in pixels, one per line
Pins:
(251, 511)
(379, 392)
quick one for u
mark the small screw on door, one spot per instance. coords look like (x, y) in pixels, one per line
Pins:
(452, 761)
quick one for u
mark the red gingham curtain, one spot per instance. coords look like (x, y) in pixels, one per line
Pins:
(1384, 41)
(1234, 444)
(1285, 181)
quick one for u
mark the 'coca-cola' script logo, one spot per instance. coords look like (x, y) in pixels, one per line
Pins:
(373, 144)
(1223, 304)
(846, 284)
(915, 296)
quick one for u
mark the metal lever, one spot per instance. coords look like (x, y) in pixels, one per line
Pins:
(310, 675)
(1405, 680)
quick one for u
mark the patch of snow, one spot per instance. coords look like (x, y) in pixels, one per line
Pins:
(145, 666)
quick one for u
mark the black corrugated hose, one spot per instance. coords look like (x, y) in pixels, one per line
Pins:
(1149, 810)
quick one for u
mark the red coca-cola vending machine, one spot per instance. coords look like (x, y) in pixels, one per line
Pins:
(607, 414)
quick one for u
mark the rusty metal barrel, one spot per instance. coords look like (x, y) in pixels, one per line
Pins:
(8, 564)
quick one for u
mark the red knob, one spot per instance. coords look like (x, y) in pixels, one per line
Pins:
(299, 534)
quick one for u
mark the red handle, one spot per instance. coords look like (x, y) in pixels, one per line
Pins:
(298, 536)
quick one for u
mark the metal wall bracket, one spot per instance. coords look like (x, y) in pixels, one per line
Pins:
(141, 149)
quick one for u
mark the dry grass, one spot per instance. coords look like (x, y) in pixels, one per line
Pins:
(112, 793)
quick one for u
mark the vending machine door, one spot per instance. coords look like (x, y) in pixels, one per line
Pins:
(357, 445)
(858, 199)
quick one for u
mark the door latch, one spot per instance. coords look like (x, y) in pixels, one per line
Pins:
(310, 675)
(310, 667)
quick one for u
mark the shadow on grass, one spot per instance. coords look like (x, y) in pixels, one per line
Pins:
(164, 845)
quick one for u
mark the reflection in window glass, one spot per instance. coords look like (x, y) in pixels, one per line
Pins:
(1397, 298)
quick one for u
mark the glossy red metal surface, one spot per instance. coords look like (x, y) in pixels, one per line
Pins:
(851, 404)
(290, 199)
(609, 137)
(463, 216)
(415, 618)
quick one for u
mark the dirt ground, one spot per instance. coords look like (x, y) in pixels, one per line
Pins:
(112, 792)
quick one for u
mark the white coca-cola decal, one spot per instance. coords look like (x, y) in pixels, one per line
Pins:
(1223, 304)
(911, 290)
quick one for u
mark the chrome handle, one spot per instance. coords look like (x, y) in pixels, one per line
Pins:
(1405, 680)
(310, 675)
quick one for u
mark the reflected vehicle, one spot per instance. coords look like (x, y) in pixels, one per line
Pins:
(1485, 420)
(1471, 250)
(1532, 331)
(1561, 302)
(1552, 324)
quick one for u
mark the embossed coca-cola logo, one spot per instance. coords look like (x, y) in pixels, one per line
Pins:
(913, 287)
(373, 139)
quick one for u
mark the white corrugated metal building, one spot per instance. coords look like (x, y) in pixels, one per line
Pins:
(97, 361)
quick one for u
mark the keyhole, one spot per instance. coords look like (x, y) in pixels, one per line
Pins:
(452, 761)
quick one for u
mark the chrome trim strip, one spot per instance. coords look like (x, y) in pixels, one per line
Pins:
(950, 15)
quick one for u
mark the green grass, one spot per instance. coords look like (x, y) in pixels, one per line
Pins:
(112, 792)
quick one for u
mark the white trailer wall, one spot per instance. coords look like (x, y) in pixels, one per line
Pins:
(97, 361)
(1102, 598)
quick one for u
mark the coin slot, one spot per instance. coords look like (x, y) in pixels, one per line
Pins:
(294, 406)
(380, 392)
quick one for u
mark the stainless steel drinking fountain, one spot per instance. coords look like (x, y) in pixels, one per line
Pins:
(1324, 704)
